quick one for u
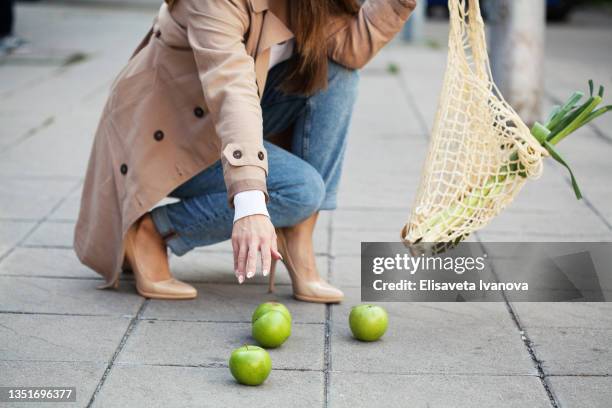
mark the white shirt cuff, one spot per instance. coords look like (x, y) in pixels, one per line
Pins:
(249, 202)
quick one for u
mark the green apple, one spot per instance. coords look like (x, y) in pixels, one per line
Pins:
(271, 329)
(268, 306)
(368, 322)
(250, 365)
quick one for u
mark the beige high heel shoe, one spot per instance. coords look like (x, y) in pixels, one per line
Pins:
(145, 250)
(308, 290)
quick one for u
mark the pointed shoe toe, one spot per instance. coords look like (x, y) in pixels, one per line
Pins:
(320, 292)
(168, 289)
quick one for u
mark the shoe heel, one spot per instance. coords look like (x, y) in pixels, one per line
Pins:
(271, 287)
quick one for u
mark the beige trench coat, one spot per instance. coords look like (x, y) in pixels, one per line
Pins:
(189, 96)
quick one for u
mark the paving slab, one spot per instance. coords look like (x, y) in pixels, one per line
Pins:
(210, 344)
(346, 271)
(60, 338)
(49, 233)
(433, 338)
(521, 236)
(31, 198)
(206, 387)
(581, 221)
(45, 262)
(11, 232)
(82, 375)
(367, 114)
(592, 392)
(593, 315)
(372, 219)
(601, 198)
(573, 351)
(348, 242)
(234, 303)
(69, 209)
(370, 390)
(352, 195)
(67, 296)
(218, 267)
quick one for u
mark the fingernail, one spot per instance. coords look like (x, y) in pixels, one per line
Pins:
(240, 278)
(250, 274)
(265, 272)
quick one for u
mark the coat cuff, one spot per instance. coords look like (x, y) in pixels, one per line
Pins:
(245, 167)
(246, 185)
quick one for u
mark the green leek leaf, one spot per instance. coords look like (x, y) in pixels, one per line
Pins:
(555, 155)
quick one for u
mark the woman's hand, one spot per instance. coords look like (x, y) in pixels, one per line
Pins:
(253, 234)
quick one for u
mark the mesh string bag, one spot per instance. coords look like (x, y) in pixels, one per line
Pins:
(480, 152)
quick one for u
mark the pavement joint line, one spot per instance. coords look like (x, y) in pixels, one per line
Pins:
(413, 105)
(34, 82)
(18, 312)
(580, 375)
(157, 319)
(532, 353)
(59, 221)
(88, 278)
(222, 365)
(203, 250)
(40, 222)
(433, 373)
(42, 246)
(22, 220)
(204, 365)
(20, 360)
(543, 234)
(587, 202)
(126, 279)
(526, 341)
(370, 208)
(31, 132)
(128, 331)
(34, 177)
(104, 5)
(328, 318)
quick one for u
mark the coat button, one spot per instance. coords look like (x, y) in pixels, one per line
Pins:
(198, 111)
(158, 135)
(237, 154)
(123, 169)
(260, 155)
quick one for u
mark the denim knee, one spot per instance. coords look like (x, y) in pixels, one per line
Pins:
(346, 79)
(308, 194)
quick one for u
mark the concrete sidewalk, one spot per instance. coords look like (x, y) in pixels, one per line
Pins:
(118, 349)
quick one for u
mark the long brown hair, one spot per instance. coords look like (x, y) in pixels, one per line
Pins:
(309, 18)
(307, 70)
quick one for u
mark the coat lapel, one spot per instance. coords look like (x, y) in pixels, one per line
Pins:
(273, 31)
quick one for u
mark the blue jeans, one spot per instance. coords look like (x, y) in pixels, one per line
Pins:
(300, 182)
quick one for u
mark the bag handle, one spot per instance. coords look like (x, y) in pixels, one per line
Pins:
(467, 28)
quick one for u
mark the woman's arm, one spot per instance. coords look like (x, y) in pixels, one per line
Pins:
(216, 30)
(354, 40)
